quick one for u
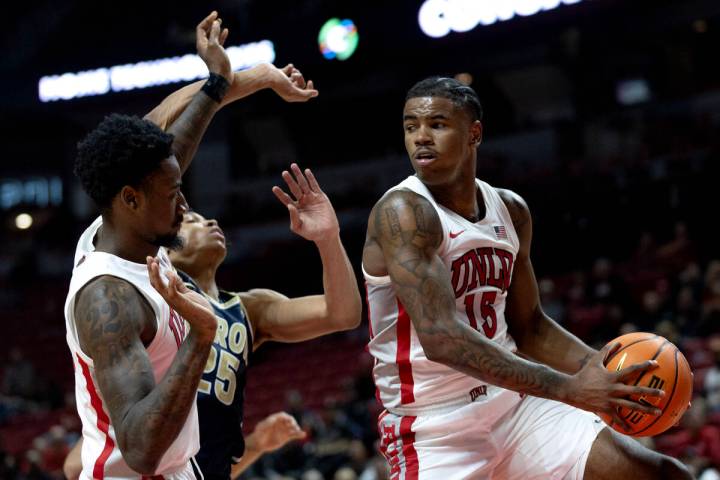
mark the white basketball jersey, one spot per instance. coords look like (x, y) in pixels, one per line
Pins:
(101, 456)
(479, 257)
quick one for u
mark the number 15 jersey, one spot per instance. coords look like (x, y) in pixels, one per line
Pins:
(479, 257)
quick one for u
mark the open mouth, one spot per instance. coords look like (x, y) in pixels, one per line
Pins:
(425, 157)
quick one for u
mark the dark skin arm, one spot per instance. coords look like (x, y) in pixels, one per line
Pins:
(190, 126)
(115, 323)
(536, 335)
(408, 231)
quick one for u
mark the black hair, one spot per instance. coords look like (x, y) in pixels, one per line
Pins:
(460, 94)
(121, 150)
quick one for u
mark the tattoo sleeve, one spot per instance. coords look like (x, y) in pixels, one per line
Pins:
(190, 127)
(409, 232)
(111, 316)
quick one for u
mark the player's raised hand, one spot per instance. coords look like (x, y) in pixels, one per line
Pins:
(209, 40)
(275, 431)
(596, 389)
(312, 216)
(192, 306)
(290, 85)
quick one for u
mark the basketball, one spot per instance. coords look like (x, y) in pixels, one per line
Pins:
(673, 376)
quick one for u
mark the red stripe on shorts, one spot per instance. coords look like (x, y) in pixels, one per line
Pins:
(103, 422)
(408, 448)
(367, 302)
(402, 357)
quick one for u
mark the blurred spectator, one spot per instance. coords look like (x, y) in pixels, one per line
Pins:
(712, 379)
(19, 378)
(697, 442)
(551, 303)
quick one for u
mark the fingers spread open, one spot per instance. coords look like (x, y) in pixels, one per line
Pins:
(300, 178)
(292, 184)
(314, 185)
(282, 196)
(637, 406)
(645, 366)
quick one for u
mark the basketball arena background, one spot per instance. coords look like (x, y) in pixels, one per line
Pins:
(603, 114)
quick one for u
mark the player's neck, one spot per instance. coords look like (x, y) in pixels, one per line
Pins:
(205, 279)
(461, 197)
(122, 243)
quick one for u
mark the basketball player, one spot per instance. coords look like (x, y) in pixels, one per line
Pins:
(477, 382)
(248, 319)
(136, 369)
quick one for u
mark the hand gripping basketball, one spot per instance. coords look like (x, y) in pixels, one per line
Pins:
(598, 390)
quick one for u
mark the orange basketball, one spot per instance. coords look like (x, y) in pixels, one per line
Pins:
(673, 376)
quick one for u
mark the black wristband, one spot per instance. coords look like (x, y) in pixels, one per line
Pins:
(216, 87)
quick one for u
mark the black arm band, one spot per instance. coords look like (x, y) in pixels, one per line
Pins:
(216, 87)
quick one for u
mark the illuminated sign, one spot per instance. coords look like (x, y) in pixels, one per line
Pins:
(38, 192)
(147, 74)
(338, 39)
(437, 18)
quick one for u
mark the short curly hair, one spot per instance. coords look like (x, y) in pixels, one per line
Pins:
(460, 94)
(121, 150)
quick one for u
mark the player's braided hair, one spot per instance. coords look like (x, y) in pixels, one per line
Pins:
(121, 150)
(461, 95)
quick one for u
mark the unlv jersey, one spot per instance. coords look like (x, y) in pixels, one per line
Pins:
(479, 258)
(101, 456)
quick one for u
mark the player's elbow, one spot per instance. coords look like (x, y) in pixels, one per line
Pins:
(433, 348)
(142, 462)
(143, 466)
(349, 316)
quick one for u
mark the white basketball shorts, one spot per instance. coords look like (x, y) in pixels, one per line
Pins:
(536, 439)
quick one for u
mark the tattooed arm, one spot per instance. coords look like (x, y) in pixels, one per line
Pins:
(409, 232)
(115, 323)
(537, 335)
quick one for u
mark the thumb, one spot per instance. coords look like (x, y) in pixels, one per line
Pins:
(609, 350)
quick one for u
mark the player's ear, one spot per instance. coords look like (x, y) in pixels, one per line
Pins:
(476, 131)
(129, 197)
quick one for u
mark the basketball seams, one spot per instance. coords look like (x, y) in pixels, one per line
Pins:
(657, 354)
(669, 400)
(629, 345)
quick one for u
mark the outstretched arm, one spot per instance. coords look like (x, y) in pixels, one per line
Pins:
(270, 434)
(276, 317)
(287, 82)
(114, 324)
(537, 335)
(191, 124)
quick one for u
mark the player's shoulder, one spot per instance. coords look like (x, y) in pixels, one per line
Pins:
(402, 197)
(110, 306)
(516, 205)
(108, 288)
(403, 209)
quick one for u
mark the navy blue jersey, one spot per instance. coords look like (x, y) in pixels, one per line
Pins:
(221, 389)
